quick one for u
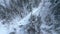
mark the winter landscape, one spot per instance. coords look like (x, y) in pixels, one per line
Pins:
(29, 16)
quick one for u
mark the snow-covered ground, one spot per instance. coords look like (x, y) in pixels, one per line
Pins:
(42, 9)
(2, 2)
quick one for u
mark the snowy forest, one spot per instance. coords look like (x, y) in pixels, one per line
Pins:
(29, 16)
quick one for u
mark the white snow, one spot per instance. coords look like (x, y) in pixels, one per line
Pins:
(2, 2)
(42, 9)
(3, 29)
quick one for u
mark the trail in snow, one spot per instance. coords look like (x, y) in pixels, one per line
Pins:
(24, 21)
(17, 21)
(43, 10)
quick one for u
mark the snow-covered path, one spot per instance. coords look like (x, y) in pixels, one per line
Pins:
(35, 11)
(43, 9)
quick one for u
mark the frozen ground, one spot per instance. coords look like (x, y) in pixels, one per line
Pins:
(42, 9)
